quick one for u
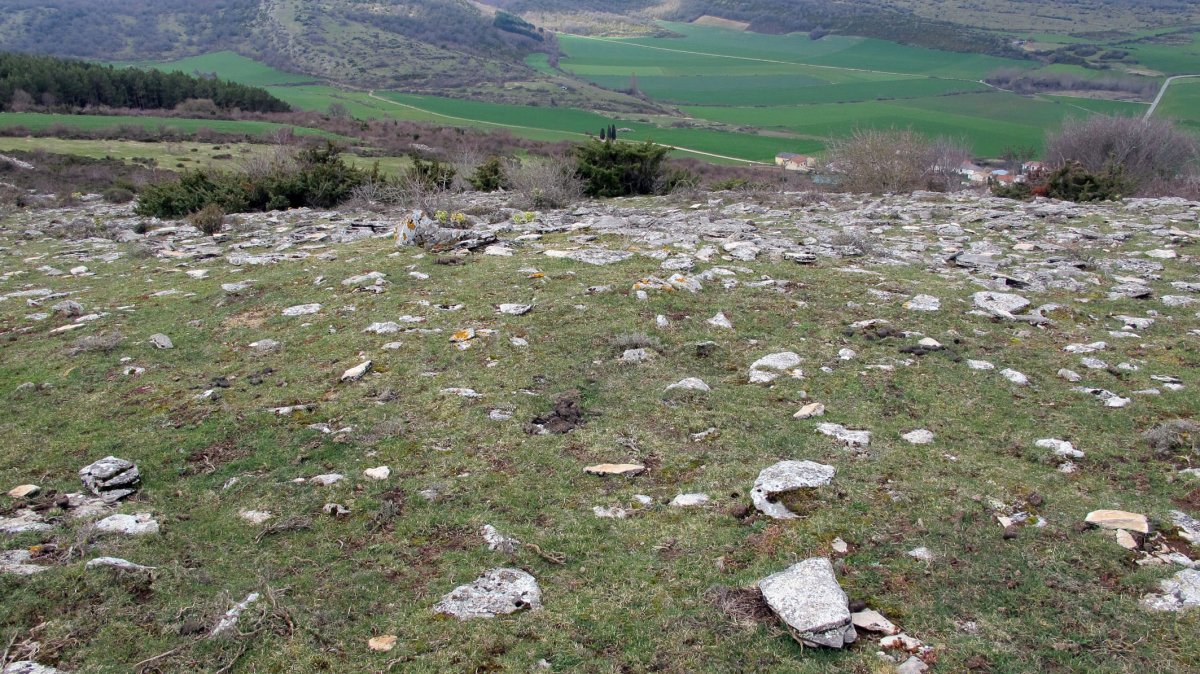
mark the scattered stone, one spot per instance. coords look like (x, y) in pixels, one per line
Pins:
(873, 621)
(1015, 377)
(809, 411)
(111, 478)
(1118, 519)
(497, 592)
(980, 365)
(913, 665)
(515, 309)
(461, 392)
(327, 479)
(634, 356)
(228, 622)
(1109, 398)
(498, 541)
(377, 474)
(689, 384)
(1189, 527)
(117, 564)
(1180, 592)
(1069, 375)
(614, 513)
(161, 341)
(720, 321)
(1003, 305)
(23, 521)
(382, 644)
(622, 469)
(302, 310)
(255, 516)
(784, 477)
(24, 491)
(28, 667)
(357, 372)
(809, 600)
(689, 500)
(850, 437)
(141, 524)
(920, 436)
(1061, 448)
(16, 562)
(335, 510)
(1126, 540)
(922, 553)
(923, 303)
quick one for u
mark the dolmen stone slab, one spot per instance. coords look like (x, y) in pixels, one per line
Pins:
(808, 599)
(497, 592)
(111, 478)
(784, 477)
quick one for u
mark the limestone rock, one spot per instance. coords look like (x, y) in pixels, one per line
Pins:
(117, 564)
(1118, 519)
(873, 621)
(28, 667)
(382, 643)
(378, 473)
(622, 469)
(809, 411)
(228, 622)
(689, 384)
(498, 541)
(809, 600)
(16, 562)
(497, 592)
(1182, 591)
(923, 303)
(357, 372)
(141, 524)
(852, 438)
(514, 309)
(111, 478)
(919, 436)
(1003, 305)
(161, 341)
(784, 477)
(24, 491)
(302, 310)
(689, 500)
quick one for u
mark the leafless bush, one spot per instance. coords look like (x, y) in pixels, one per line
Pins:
(549, 182)
(1144, 151)
(878, 160)
(105, 342)
(280, 158)
(466, 161)
(1173, 435)
(208, 219)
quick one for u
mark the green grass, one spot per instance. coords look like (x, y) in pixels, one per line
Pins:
(988, 122)
(34, 121)
(632, 594)
(230, 66)
(1182, 103)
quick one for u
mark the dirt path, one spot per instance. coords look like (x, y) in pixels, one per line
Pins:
(1162, 92)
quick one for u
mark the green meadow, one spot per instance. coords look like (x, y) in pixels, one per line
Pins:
(40, 122)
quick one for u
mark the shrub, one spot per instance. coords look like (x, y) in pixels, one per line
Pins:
(620, 169)
(208, 219)
(1140, 150)
(1073, 182)
(431, 173)
(548, 182)
(877, 161)
(489, 176)
(117, 195)
(316, 177)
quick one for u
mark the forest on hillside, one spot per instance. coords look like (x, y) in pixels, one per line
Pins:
(44, 81)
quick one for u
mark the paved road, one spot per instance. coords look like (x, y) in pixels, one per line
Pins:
(1162, 92)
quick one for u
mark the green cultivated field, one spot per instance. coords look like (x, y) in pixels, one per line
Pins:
(39, 122)
(743, 96)
(1182, 103)
(231, 66)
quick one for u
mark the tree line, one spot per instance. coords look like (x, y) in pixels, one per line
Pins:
(43, 81)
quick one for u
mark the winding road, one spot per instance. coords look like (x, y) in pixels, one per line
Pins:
(1162, 92)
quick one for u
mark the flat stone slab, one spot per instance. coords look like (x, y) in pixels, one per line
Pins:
(624, 469)
(141, 524)
(1118, 519)
(497, 592)
(784, 477)
(808, 599)
(1003, 305)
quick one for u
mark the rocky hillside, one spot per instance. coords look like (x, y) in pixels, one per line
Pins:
(786, 433)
